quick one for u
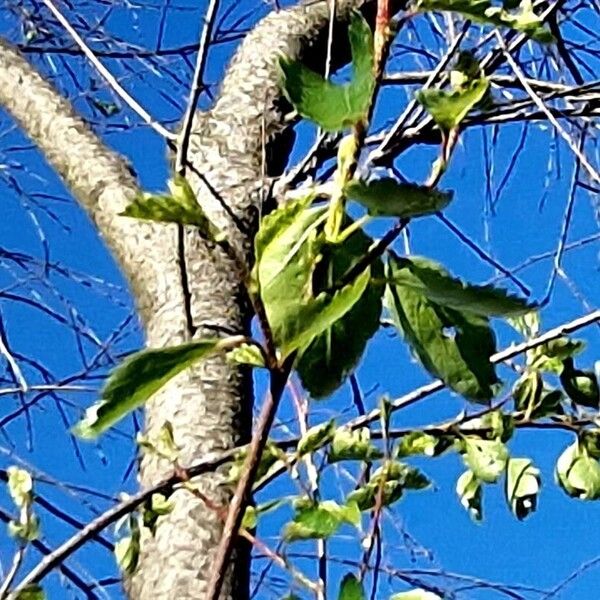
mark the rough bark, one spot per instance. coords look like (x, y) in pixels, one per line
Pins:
(208, 406)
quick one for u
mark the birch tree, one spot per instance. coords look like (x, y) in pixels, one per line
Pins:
(219, 251)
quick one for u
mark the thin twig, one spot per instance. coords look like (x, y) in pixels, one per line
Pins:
(592, 172)
(59, 555)
(108, 76)
(196, 87)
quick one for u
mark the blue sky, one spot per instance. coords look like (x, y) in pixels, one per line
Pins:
(65, 310)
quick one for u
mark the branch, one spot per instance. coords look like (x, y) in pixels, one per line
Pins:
(211, 463)
(98, 177)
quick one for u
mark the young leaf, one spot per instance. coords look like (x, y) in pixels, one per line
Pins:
(20, 486)
(390, 198)
(498, 426)
(581, 386)
(483, 11)
(351, 589)
(387, 484)
(334, 354)
(353, 445)
(437, 285)
(127, 549)
(247, 354)
(334, 107)
(418, 442)
(578, 473)
(417, 594)
(31, 592)
(449, 108)
(485, 458)
(469, 491)
(181, 206)
(315, 437)
(288, 249)
(454, 346)
(522, 486)
(550, 357)
(320, 520)
(141, 375)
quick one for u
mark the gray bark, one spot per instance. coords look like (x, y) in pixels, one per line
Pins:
(209, 406)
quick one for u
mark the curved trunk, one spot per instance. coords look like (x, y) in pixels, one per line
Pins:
(209, 406)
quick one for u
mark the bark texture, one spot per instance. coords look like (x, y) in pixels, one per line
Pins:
(209, 406)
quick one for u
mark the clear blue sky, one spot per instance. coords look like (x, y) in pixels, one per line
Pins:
(62, 304)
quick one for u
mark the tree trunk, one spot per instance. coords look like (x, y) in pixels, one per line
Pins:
(209, 406)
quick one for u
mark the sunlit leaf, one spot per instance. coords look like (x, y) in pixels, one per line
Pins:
(452, 345)
(486, 458)
(180, 206)
(483, 11)
(437, 285)
(289, 247)
(320, 520)
(351, 589)
(391, 198)
(449, 108)
(127, 549)
(141, 375)
(31, 592)
(417, 594)
(348, 444)
(334, 354)
(522, 486)
(578, 473)
(581, 386)
(334, 107)
(387, 485)
(469, 491)
(315, 437)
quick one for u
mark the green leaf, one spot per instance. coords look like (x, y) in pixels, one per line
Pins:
(522, 486)
(437, 285)
(180, 206)
(247, 354)
(452, 345)
(334, 354)
(334, 107)
(351, 444)
(416, 594)
(486, 458)
(31, 592)
(469, 491)
(387, 484)
(26, 529)
(417, 442)
(141, 375)
(449, 108)
(20, 486)
(498, 426)
(252, 513)
(320, 520)
(391, 198)
(316, 437)
(578, 473)
(550, 357)
(288, 249)
(590, 442)
(351, 589)
(158, 506)
(127, 549)
(483, 11)
(534, 397)
(161, 443)
(581, 386)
